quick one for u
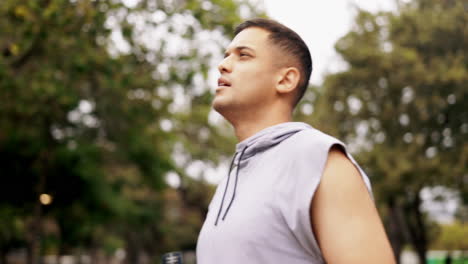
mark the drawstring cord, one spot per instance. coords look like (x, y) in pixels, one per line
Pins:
(235, 184)
(227, 184)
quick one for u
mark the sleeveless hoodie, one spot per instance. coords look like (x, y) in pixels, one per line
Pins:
(260, 210)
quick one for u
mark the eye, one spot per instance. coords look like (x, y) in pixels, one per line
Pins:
(243, 54)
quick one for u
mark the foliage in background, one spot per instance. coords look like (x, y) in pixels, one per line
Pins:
(100, 100)
(452, 237)
(95, 98)
(401, 104)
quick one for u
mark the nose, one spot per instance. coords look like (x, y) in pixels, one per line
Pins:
(225, 65)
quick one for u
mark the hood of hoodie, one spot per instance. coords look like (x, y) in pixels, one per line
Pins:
(259, 142)
(268, 137)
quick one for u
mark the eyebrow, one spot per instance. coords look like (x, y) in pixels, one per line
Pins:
(239, 48)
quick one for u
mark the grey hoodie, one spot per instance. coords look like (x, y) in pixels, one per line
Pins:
(260, 211)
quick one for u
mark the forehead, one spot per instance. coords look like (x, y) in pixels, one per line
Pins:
(252, 37)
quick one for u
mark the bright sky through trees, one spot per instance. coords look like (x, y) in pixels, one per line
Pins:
(321, 24)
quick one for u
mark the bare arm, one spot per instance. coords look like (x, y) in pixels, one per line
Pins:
(344, 218)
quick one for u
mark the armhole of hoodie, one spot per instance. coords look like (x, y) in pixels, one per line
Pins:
(311, 192)
(342, 147)
(308, 154)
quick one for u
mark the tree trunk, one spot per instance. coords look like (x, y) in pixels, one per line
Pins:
(3, 255)
(132, 251)
(34, 243)
(395, 230)
(417, 228)
(421, 245)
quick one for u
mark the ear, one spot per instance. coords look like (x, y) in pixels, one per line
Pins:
(288, 80)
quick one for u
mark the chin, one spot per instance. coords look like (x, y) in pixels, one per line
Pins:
(217, 105)
(220, 106)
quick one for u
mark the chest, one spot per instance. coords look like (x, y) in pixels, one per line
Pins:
(251, 215)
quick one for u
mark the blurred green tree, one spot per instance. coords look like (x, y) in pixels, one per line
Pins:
(95, 96)
(452, 237)
(401, 103)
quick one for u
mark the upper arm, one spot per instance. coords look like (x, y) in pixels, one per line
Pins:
(344, 219)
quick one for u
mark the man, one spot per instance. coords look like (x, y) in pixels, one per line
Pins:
(293, 194)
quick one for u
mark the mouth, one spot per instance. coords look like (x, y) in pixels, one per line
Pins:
(223, 82)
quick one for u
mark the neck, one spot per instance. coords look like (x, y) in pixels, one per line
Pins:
(247, 127)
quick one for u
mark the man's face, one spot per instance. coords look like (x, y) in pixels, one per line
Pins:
(247, 73)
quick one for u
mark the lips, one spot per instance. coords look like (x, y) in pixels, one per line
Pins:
(223, 82)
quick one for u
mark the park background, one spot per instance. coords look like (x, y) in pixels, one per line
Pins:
(110, 151)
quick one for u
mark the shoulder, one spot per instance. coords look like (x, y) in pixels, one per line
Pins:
(309, 149)
(310, 141)
(340, 172)
(343, 207)
(329, 152)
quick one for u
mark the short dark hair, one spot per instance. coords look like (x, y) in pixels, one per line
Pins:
(289, 41)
